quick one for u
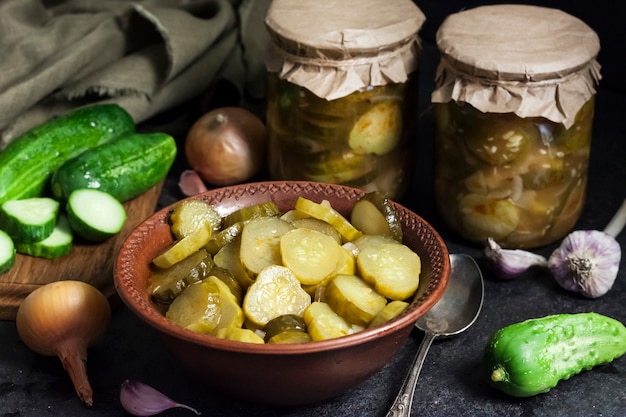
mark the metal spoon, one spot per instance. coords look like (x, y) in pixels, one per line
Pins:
(457, 310)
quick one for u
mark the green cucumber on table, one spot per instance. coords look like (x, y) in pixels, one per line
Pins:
(58, 244)
(7, 252)
(95, 215)
(531, 357)
(30, 219)
(27, 162)
(125, 167)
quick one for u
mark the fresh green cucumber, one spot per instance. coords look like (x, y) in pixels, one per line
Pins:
(95, 215)
(59, 243)
(27, 162)
(30, 219)
(7, 252)
(531, 357)
(125, 167)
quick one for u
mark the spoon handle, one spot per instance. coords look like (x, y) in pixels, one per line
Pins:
(401, 406)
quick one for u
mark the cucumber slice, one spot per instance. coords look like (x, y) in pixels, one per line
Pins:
(323, 323)
(276, 291)
(311, 255)
(374, 214)
(59, 242)
(165, 285)
(95, 215)
(7, 252)
(392, 269)
(354, 300)
(392, 310)
(330, 215)
(190, 215)
(30, 219)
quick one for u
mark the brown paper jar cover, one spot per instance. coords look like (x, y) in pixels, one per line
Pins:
(336, 47)
(529, 60)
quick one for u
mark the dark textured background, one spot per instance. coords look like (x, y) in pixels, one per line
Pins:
(452, 382)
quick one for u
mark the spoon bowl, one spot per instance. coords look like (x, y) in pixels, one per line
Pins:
(454, 313)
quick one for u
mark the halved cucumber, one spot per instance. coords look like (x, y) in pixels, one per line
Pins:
(95, 215)
(7, 252)
(58, 244)
(30, 219)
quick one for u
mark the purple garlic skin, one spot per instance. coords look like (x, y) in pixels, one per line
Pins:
(510, 263)
(141, 400)
(586, 262)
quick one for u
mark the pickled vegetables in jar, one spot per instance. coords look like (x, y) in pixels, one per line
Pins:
(520, 181)
(358, 140)
(341, 92)
(513, 118)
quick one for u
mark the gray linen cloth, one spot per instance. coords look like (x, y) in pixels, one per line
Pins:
(148, 56)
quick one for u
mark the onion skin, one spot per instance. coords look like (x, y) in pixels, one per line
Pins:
(227, 146)
(63, 319)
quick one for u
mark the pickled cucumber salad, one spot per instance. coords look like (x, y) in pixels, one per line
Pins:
(519, 181)
(260, 275)
(355, 140)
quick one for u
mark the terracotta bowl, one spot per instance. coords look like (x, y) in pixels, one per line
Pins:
(287, 374)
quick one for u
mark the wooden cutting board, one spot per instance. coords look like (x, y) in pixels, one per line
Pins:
(92, 263)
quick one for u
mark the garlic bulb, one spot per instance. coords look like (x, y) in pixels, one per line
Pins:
(587, 262)
(510, 263)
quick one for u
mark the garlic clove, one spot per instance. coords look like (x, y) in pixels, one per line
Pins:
(510, 263)
(139, 399)
(586, 262)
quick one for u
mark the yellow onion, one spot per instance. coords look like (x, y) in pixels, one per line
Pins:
(226, 146)
(63, 319)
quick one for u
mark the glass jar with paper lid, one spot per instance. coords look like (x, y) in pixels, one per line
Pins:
(514, 105)
(341, 92)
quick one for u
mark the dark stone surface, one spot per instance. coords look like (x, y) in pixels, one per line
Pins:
(452, 381)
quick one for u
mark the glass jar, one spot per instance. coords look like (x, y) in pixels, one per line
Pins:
(513, 123)
(339, 107)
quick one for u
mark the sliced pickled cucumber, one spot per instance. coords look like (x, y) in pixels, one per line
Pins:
(205, 307)
(499, 142)
(392, 269)
(318, 225)
(190, 215)
(183, 248)
(290, 336)
(392, 310)
(229, 279)
(323, 323)
(166, 284)
(354, 299)
(366, 241)
(311, 255)
(379, 130)
(223, 237)
(484, 217)
(276, 291)
(339, 166)
(229, 258)
(374, 214)
(260, 243)
(247, 213)
(286, 322)
(330, 215)
(239, 334)
(346, 263)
